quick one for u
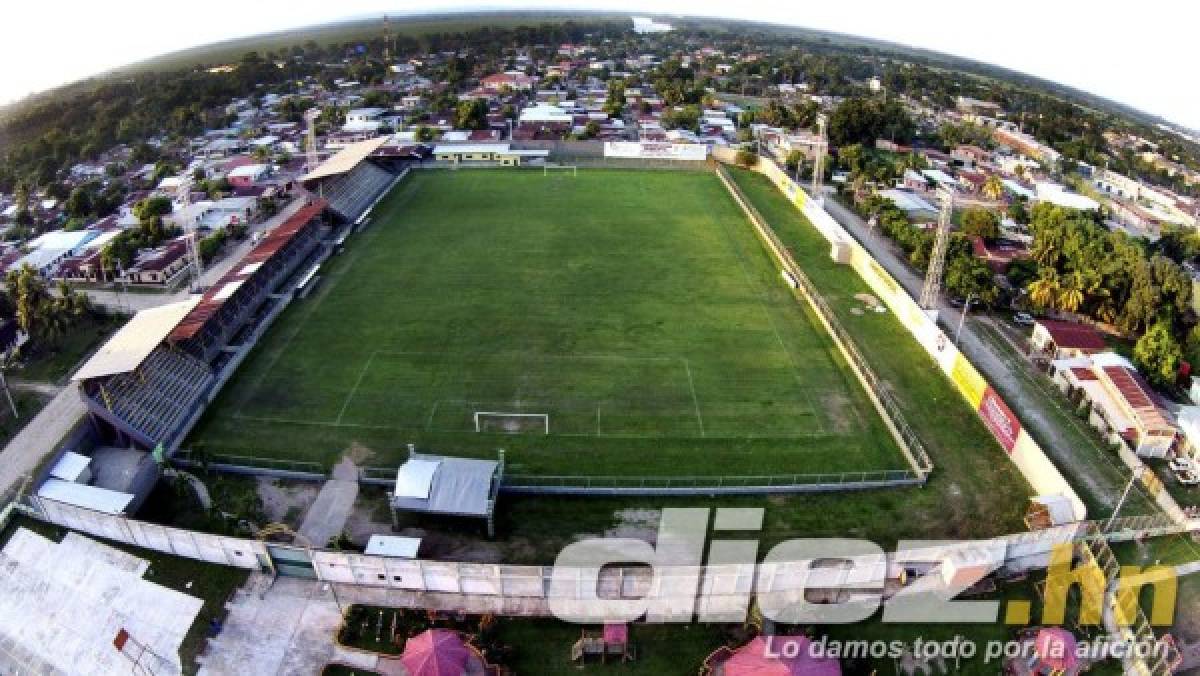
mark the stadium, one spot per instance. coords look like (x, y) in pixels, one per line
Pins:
(589, 332)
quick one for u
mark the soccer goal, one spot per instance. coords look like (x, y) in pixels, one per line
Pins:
(512, 423)
(547, 168)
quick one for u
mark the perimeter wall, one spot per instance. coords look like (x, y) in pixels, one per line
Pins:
(1021, 448)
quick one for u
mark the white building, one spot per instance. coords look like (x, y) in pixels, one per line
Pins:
(364, 119)
(1119, 402)
(1058, 194)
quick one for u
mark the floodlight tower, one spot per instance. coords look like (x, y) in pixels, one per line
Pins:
(183, 195)
(818, 177)
(310, 138)
(937, 260)
(387, 41)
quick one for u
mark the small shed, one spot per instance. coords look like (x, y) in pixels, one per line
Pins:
(440, 484)
(393, 545)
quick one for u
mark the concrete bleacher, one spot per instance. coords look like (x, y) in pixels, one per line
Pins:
(351, 193)
(160, 394)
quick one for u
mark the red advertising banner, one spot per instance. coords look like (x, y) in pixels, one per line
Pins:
(999, 419)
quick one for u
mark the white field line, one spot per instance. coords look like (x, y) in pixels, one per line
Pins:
(349, 397)
(695, 401)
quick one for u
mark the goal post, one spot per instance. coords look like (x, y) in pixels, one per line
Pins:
(546, 168)
(512, 423)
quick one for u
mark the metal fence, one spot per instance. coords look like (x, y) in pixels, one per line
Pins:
(247, 464)
(923, 463)
(549, 484)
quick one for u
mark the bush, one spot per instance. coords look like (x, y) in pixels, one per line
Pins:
(747, 158)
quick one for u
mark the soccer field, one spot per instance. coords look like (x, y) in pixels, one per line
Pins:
(632, 317)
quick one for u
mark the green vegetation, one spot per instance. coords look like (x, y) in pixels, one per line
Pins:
(655, 333)
(54, 363)
(210, 583)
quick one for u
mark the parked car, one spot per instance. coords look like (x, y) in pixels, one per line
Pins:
(1023, 319)
(1181, 464)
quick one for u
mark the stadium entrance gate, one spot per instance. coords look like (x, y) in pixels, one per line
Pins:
(292, 561)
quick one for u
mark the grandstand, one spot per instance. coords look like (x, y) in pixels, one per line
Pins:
(350, 181)
(151, 381)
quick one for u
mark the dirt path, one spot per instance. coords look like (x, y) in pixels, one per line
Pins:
(1036, 409)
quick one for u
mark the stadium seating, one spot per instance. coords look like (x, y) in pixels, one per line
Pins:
(350, 194)
(157, 397)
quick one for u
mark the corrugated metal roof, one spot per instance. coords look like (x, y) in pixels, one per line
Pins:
(83, 495)
(346, 159)
(247, 268)
(130, 346)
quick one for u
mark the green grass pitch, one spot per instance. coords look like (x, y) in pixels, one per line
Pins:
(635, 309)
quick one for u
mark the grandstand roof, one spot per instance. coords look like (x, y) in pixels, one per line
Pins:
(346, 159)
(130, 346)
(216, 296)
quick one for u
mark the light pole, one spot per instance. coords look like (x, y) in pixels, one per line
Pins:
(962, 319)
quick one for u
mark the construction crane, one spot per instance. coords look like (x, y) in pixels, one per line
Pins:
(932, 289)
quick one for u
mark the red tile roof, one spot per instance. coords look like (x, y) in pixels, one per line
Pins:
(263, 252)
(1069, 335)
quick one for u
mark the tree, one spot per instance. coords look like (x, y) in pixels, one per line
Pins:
(981, 223)
(1070, 293)
(993, 187)
(425, 134)
(1044, 290)
(966, 276)
(1157, 355)
(471, 114)
(793, 160)
(1018, 213)
(862, 120)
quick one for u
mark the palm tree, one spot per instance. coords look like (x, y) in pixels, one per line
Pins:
(1070, 294)
(993, 188)
(1044, 291)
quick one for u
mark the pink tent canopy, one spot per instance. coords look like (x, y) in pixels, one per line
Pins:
(1055, 648)
(616, 633)
(435, 652)
(780, 656)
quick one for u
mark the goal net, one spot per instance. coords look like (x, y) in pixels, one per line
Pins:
(563, 168)
(512, 423)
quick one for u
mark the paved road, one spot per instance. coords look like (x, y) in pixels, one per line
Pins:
(326, 517)
(38, 439)
(131, 302)
(998, 368)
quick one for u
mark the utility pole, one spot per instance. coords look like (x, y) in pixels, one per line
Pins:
(937, 260)
(962, 319)
(8, 394)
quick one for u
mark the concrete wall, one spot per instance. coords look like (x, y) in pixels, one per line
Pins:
(228, 551)
(1021, 448)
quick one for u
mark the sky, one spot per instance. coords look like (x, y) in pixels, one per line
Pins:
(1141, 54)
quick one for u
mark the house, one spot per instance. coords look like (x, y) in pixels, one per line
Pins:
(248, 175)
(512, 79)
(161, 265)
(1118, 401)
(500, 153)
(969, 155)
(364, 120)
(999, 254)
(1064, 340)
(1058, 194)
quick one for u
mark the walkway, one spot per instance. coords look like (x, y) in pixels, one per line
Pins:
(288, 629)
(26, 451)
(327, 516)
(1094, 470)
